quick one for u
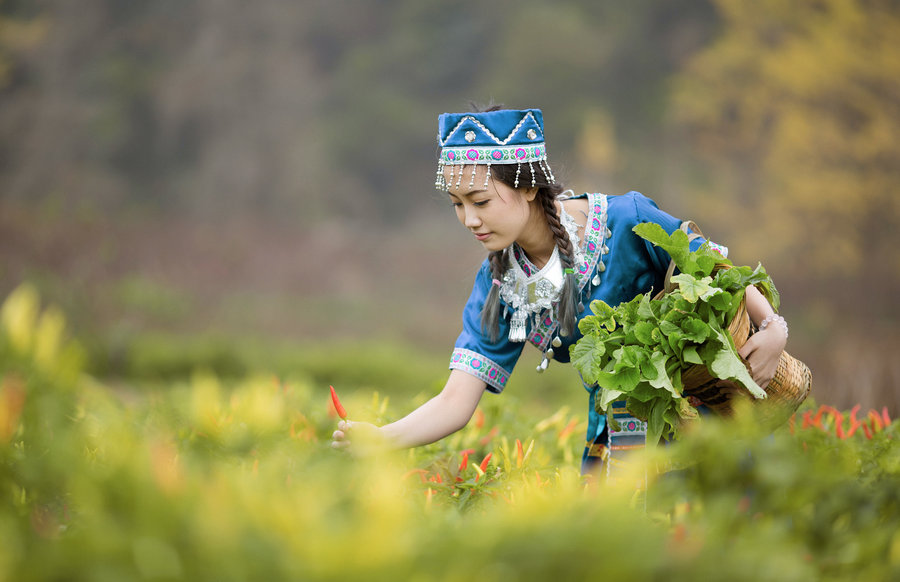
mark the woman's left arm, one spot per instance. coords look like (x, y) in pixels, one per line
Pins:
(763, 349)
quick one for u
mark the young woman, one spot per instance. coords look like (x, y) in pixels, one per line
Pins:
(549, 255)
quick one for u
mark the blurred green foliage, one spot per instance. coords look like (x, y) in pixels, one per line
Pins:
(207, 479)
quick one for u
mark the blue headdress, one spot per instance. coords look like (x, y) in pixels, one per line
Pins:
(507, 136)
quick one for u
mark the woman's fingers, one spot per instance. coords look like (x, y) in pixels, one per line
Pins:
(339, 437)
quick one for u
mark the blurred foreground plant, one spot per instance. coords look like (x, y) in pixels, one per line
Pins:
(209, 480)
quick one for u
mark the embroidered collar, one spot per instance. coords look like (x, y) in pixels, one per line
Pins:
(531, 292)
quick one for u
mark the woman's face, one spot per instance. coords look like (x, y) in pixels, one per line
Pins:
(497, 215)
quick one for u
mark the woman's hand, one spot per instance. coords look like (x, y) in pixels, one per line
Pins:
(763, 352)
(358, 437)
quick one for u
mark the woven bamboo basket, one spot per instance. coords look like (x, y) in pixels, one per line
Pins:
(787, 390)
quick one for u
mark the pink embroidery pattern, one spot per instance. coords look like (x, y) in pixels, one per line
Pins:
(480, 367)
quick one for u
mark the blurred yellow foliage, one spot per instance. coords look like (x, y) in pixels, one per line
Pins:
(201, 480)
(796, 105)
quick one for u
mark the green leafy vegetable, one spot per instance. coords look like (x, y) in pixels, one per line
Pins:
(637, 350)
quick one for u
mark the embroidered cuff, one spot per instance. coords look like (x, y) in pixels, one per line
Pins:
(480, 367)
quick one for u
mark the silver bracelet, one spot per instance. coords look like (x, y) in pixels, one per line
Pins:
(776, 318)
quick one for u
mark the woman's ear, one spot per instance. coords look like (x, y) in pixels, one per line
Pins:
(530, 194)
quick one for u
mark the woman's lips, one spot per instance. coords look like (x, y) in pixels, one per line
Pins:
(482, 236)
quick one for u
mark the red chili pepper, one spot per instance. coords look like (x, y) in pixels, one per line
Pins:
(817, 420)
(484, 463)
(807, 419)
(839, 424)
(866, 430)
(339, 408)
(465, 461)
(876, 420)
(885, 417)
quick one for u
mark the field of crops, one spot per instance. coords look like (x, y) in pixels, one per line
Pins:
(205, 478)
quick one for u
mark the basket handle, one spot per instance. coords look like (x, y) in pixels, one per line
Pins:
(693, 231)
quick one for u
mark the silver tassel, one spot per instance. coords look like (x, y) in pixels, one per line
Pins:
(517, 326)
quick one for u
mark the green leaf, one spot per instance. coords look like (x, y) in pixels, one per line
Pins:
(648, 370)
(725, 363)
(694, 289)
(601, 309)
(658, 361)
(607, 397)
(628, 379)
(637, 408)
(685, 410)
(668, 328)
(604, 313)
(645, 392)
(644, 309)
(676, 244)
(724, 301)
(706, 264)
(690, 356)
(656, 422)
(695, 329)
(586, 357)
(643, 332)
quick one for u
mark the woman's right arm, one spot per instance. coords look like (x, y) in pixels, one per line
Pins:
(441, 416)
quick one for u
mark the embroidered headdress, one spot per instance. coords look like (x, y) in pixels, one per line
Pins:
(505, 136)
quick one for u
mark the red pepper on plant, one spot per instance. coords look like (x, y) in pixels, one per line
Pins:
(866, 430)
(465, 461)
(876, 420)
(338, 407)
(807, 419)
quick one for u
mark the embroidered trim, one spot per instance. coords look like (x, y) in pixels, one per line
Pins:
(493, 154)
(479, 366)
(628, 425)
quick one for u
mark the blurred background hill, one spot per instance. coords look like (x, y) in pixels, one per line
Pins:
(200, 181)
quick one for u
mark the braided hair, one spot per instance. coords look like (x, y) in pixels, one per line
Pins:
(547, 192)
